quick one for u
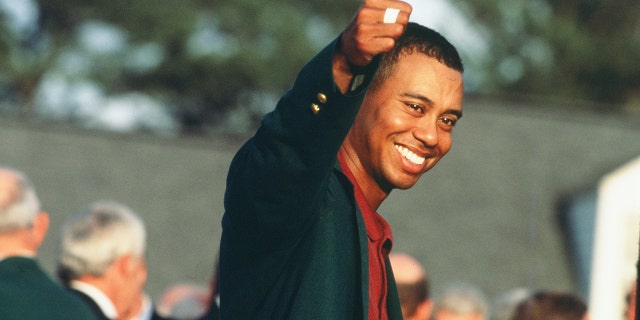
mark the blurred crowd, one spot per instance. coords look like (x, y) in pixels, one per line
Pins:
(101, 273)
(465, 301)
(101, 270)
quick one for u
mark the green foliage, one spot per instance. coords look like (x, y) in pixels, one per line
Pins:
(209, 53)
(204, 57)
(566, 48)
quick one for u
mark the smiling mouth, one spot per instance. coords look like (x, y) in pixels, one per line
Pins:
(409, 155)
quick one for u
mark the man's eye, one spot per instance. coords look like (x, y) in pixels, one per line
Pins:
(448, 121)
(416, 107)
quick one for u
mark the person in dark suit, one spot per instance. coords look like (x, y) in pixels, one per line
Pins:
(102, 261)
(372, 112)
(26, 291)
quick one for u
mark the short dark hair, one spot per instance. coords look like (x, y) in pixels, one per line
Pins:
(413, 294)
(421, 39)
(551, 305)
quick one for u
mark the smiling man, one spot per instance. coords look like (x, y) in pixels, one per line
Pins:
(404, 125)
(372, 112)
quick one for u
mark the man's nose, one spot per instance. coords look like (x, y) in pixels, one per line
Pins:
(427, 133)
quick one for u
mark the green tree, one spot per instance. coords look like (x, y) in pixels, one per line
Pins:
(565, 48)
(213, 54)
(22, 64)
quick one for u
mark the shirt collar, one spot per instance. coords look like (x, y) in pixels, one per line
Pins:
(146, 312)
(104, 303)
(377, 227)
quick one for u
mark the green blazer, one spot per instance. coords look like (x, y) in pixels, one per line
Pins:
(27, 293)
(294, 244)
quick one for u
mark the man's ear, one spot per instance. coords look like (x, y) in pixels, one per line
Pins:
(124, 263)
(39, 229)
(128, 266)
(127, 263)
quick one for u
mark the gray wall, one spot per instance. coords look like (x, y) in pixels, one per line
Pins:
(487, 214)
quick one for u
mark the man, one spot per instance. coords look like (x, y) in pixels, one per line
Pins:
(102, 260)
(543, 305)
(26, 291)
(413, 287)
(301, 237)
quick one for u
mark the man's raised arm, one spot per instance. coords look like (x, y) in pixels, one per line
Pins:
(372, 31)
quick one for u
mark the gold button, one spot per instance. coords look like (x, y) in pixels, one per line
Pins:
(315, 108)
(322, 98)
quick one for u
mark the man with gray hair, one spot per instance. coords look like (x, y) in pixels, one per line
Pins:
(26, 291)
(102, 259)
(461, 301)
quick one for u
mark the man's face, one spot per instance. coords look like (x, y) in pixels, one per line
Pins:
(133, 278)
(404, 127)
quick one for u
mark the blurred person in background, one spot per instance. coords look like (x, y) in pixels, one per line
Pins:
(213, 309)
(413, 287)
(461, 301)
(504, 305)
(556, 305)
(102, 261)
(185, 301)
(630, 310)
(26, 291)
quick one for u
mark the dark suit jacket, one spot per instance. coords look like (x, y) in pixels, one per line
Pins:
(294, 244)
(95, 308)
(27, 292)
(98, 312)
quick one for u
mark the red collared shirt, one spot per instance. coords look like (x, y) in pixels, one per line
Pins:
(380, 242)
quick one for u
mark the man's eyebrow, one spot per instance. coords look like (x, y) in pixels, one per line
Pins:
(430, 103)
(454, 112)
(420, 97)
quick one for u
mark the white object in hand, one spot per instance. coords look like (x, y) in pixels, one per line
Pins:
(390, 15)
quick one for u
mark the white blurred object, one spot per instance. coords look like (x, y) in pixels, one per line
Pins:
(448, 20)
(21, 15)
(616, 241)
(132, 112)
(84, 102)
(472, 41)
(184, 301)
(102, 38)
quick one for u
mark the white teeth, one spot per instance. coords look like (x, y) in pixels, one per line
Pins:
(414, 158)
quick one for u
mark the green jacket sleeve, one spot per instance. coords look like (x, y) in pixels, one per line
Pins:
(277, 179)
